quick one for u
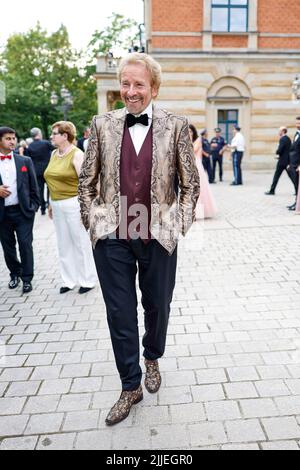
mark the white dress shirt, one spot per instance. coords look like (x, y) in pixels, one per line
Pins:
(8, 174)
(238, 143)
(139, 132)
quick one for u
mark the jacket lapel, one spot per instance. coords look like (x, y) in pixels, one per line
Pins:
(117, 132)
(162, 132)
(19, 164)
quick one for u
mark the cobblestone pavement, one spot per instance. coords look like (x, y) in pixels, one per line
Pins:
(231, 374)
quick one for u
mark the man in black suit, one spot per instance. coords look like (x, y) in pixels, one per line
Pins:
(283, 153)
(295, 161)
(82, 143)
(19, 201)
(40, 152)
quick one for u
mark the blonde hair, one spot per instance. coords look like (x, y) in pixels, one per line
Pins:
(151, 65)
(66, 127)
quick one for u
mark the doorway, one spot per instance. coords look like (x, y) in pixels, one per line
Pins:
(227, 119)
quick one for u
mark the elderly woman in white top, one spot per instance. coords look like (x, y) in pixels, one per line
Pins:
(238, 148)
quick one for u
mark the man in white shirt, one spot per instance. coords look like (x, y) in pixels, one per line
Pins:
(19, 200)
(238, 148)
(139, 155)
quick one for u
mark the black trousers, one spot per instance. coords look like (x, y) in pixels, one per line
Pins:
(278, 172)
(207, 167)
(217, 160)
(118, 262)
(295, 177)
(16, 224)
(41, 182)
(237, 158)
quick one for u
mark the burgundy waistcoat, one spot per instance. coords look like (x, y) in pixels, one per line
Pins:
(135, 185)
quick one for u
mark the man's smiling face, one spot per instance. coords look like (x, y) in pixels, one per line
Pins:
(137, 91)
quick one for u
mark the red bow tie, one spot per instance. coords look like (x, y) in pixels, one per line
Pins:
(4, 157)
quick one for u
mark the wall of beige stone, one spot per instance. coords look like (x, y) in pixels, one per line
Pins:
(197, 86)
(260, 89)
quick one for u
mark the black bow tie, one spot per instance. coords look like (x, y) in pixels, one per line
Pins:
(132, 120)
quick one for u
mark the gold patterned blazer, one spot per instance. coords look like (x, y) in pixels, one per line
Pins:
(99, 182)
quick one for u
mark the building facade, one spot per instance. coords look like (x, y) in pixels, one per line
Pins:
(224, 62)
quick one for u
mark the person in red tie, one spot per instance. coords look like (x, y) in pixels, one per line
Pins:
(19, 201)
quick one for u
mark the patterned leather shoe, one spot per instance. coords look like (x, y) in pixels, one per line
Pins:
(121, 409)
(153, 377)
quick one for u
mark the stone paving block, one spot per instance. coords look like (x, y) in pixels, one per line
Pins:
(86, 385)
(288, 405)
(274, 372)
(81, 421)
(48, 337)
(164, 437)
(280, 445)
(13, 362)
(58, 347)
(3, 388)
(211, 376)
(240, 390)
(67, 358)
(293, 385)
(94, 356)
(19, 443)
(207, 434)
(272, 388)
(242, 374)
(151, 416)
(75, 402)
(258, 408)
(71, 336)
(106, 399)
(229, 348)
(176, 379)
(39, 360)
(281, 428)
(221, 360)
(13, 425)
(38, 328)
(202, 350)
(241, 447)
(187, 413)
(23, 389)
(55, 387)
(75, 370)
(222, 411)
(11, 406)
(94, 440)
(177, 351)
(44, 404)
(32, 349)
(15, 375)
(44, 424)
(204, 393)
(46, 373)
(244, 431)
(63, 441)
(174, 395)
(191, 363)
(103, 368)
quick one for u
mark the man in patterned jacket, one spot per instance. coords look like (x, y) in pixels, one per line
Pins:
(149, 186)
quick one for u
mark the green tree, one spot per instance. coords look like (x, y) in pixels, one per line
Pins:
(117, 36)
(35, 64)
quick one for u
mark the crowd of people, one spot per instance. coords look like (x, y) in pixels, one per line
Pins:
(288, 155)
(54, 168)
(24, 175)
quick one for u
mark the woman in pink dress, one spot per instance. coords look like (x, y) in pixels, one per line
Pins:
(206, 207)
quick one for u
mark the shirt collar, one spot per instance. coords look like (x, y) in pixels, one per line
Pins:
(148, 110)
